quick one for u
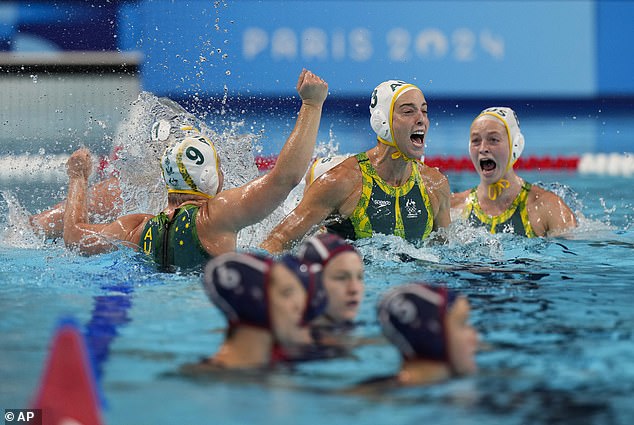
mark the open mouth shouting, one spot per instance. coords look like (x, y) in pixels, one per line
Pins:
(418, 138)
(487, 166)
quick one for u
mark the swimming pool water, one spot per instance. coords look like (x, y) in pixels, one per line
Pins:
(555, 317)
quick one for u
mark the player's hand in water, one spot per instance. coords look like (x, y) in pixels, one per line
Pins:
(79, 164)
(312, 89)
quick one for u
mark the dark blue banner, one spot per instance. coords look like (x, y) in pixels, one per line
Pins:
(58, 26)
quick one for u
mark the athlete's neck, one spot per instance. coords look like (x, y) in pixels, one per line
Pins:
(176, 200)
(247, 347)
(505, 197)
(395, 172)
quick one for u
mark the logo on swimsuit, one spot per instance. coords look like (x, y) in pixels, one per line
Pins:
(379, 203)
(508, 228)
(410, 206)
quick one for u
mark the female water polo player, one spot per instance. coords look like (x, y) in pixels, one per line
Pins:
(386, 189)
(201, 220)
(429, 325)
(343, 278)
(503, 202)
(268, 305)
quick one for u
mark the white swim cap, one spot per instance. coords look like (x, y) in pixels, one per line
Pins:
(192, 166)
(512, 125)
(382, 103)
(321, 165)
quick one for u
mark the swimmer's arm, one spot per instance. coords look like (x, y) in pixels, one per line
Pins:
(78, 168)
(78, 232)
(323, 197)
(443, 194)
(257, 199)
(91, 239)
(458, 205)
(104, 198)
(458, 200)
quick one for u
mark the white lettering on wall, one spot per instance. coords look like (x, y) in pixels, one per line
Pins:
(284, 44)
(314, 44)
(464, 42)
(431, 43)
(401, 45)
(254, 42)
(360, 40)
(493, 45)
(398, 41)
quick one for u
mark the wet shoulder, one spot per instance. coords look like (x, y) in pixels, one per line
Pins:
(343, 178)
(432, 175)
(135, 225)
(459, 199)
(539, 197)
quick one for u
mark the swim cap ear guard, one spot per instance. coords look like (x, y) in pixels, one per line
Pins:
(380, 124)
(237, 284)
(191, 166)
(160, 131)
(412, 317)
(512, 125)
(168, 131)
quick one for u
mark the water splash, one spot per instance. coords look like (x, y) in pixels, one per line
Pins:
(389, 248)
(566, 193)
(138, 158)
(16, 231)
(465, 243)
(252, 236)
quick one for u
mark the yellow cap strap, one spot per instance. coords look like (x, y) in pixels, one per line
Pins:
(496, 188)
(398, 153)
(189, 192)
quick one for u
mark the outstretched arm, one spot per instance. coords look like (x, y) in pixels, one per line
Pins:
(295, 225)
(328, 194)
(78, 233)
(104, 199)
(257, 199)
(78, 168)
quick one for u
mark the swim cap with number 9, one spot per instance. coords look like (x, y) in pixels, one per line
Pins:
(191, 166)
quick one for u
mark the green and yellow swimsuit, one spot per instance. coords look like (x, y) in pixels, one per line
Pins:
(403, 211)
(513, 220)
(174, 243)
